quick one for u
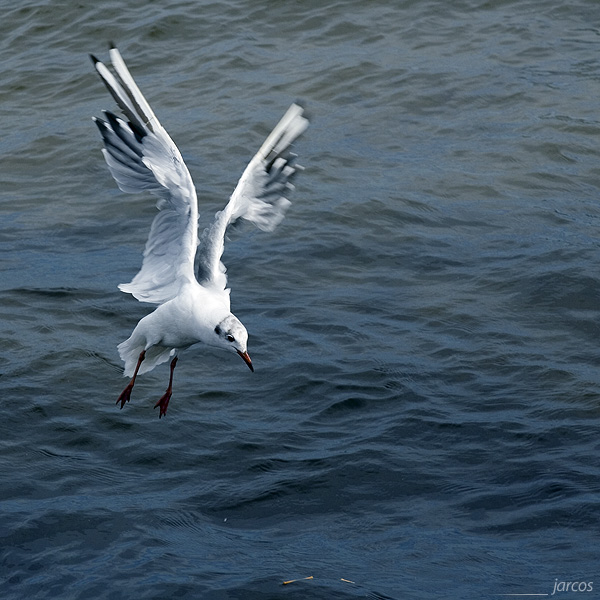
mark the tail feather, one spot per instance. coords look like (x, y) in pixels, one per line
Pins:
(130, 351)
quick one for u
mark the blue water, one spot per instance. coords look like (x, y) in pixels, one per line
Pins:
(423, 420)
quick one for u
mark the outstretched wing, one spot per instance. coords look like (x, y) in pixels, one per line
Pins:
(259, 197)
(143, 158)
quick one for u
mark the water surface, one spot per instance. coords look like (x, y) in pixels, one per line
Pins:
(423, 419)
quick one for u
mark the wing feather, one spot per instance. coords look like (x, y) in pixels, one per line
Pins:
(259, 197)
(143, 158)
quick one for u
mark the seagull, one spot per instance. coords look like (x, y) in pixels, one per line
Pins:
(182, 273)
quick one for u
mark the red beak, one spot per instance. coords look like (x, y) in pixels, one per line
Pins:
(247, 360)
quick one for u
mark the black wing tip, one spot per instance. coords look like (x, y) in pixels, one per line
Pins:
(112, 122)
(95, 59)
(112, 118)
(138, 131)
(100, 124)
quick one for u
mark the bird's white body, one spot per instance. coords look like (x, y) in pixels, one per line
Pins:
(182, 272)
(179, 323)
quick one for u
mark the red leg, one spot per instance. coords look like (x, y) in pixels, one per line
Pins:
(126, 393)
(164, 401)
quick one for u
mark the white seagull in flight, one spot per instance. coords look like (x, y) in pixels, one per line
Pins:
(143, 158)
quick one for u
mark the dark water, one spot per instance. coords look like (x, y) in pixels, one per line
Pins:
(424, 416)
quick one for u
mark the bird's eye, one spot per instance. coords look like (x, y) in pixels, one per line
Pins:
(230, 338)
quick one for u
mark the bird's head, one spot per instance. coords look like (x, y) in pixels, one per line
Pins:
(232, 335)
